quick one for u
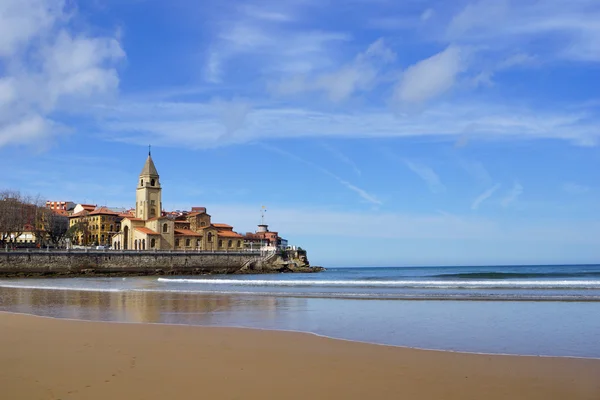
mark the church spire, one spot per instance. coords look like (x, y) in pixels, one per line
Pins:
(149, 168)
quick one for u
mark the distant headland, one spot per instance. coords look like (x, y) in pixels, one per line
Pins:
(64, 238)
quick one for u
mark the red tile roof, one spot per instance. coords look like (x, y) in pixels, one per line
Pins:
(186, 232)
(229, 234)
(103, 211)
(194, 213)
(222, 226)
(147, 231)
(79, 214)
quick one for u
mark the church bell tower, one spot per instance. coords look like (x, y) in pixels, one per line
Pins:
(148, 194)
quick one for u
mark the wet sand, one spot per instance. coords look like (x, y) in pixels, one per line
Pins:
(45, 358)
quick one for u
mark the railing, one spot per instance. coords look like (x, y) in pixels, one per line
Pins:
(128, 251)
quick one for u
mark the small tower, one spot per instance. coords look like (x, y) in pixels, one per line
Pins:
(262, 227)
(148, 194)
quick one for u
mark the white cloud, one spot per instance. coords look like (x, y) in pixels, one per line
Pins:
(360, 74)
(428, 175)
(266, 42)
(504, 25)
(513, 195)
(477, 171)
(427, 14)
(213, 68)
(23, 20)
(476, 15)
(431, 77)
(484, 196)
(361, 192)
(342, 157)
(48, 68)
(199, 125)
(575, 188)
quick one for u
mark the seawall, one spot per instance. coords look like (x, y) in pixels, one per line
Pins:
(124, 263)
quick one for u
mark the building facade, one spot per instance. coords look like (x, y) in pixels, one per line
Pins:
(149, 228)
(96, 227)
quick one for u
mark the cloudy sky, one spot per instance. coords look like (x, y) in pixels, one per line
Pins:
(376, 132)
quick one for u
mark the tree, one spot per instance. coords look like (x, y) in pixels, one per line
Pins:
(54, 225)
(79, 228)
(17, 213)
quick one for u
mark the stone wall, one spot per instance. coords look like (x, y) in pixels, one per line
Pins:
(35, 263)
(127, 263)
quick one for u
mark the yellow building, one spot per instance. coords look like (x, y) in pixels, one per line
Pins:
(95, 227)
(149, 229)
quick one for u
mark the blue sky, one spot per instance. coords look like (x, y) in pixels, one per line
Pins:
(376, 132)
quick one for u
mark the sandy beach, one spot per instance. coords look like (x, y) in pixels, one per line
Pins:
(44, 358)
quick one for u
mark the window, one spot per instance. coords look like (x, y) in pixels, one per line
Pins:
(102, 219)
(165, 228)
(220, 243)
(202, 223)
(187, 242)
(152, 182)
(229, 243)
(239, 243)
(141, 182)
(102, 227)
(210, 236)
(152, 213)
(197, 242)
(176, 242)
(152, 202)
(111, 228)
(153, 243)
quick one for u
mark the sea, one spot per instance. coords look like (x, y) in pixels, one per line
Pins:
(521, 310)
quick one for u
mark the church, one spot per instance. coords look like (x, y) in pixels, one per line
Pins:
(151, 229)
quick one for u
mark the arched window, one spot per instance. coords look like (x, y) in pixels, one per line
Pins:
(210, 236)
(152, 182)
(197, 242)
(239, 243)
(153, 243)
(176, 242)
(135, 244)
(187, 242)
(202, 223)
(220, 243)
(141, 182)
(229, 243)
(165, 228)
(152, 212)
(111, 228)
(143, 244)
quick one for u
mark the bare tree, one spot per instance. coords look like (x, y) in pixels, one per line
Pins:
(56, 228)
(50, 226)
(16, 215)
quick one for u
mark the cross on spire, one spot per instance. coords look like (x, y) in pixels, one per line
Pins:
(149, 150)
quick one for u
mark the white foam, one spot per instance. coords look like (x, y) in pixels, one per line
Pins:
(436, 284)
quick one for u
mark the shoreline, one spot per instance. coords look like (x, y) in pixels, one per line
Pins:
(101, 360)
(344, 296)
(239, 327)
